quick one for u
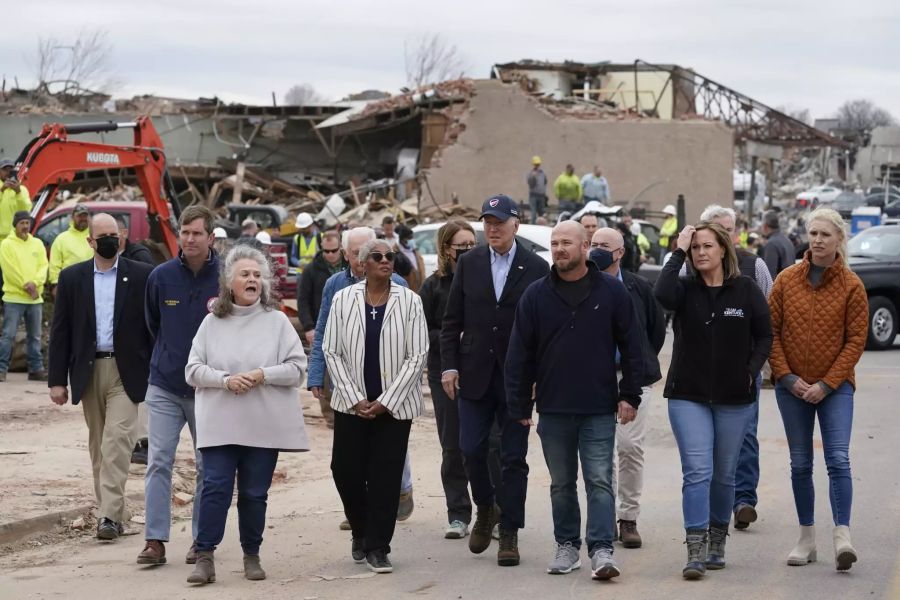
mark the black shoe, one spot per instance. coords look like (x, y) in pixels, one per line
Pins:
(357, 551)
(108, 529)
(379, 562)
(744, 514)
(139, 454)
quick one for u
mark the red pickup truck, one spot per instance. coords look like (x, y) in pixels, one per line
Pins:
(135, 216)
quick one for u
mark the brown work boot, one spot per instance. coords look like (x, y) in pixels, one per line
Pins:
(508, 554)
(204, 570)
(485, 518)
(252, 569)
(405, 506)
(38, 376)
(628, 534)
(154, 553)
(191, 557)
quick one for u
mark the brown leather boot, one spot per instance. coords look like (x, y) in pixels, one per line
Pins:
(628, 534)
(485, 518)
(191, 557)
(204, 570)
(508, 554)
(154, 553)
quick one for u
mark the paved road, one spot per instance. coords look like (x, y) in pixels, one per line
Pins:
(307, 557)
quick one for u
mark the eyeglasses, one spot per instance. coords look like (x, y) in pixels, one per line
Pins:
(468, 246)
(380, 256)
(327, 251)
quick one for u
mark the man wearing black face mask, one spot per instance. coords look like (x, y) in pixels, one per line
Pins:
(95, 346)
(607, 252)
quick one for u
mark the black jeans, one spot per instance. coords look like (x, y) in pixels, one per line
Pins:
(453, 470)
(367, 458)
(477, 418)
(254, 468)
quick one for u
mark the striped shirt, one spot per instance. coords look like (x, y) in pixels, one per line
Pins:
(403, 347)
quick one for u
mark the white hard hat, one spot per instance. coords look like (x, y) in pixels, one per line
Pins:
(219, 233)
(670, 210)
(264, 237)
(303, 221)
(635, 229)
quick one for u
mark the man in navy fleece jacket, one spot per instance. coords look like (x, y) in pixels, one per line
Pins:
(567, 329)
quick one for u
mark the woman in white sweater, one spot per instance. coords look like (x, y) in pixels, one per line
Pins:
(246, 364)
(375, 345)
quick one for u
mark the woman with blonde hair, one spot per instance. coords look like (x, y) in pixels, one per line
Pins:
(722, 339)
(246, 364)
(820, 322)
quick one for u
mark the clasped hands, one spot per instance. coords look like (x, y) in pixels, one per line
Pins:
(812, 393)
(242, 383)
(369, 410)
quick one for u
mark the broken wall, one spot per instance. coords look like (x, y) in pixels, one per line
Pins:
(646, 161)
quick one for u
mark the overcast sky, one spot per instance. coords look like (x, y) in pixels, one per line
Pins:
(795, 53)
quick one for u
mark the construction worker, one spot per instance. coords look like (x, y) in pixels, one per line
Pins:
(306, 242)
(567, 188)
(595, 187)
(24, 263)
(669, 227)
(537, 189)
(13, 197)
(71, 246)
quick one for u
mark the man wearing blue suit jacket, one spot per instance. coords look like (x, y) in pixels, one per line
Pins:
(480, 311)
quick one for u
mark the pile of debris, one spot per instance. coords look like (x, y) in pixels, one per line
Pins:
(453, 90)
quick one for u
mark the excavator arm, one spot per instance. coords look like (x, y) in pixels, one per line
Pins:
(53, 159)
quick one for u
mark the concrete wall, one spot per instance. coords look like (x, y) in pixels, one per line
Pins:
(661, 158)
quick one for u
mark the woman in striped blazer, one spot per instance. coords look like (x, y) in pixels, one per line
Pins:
(375, 345)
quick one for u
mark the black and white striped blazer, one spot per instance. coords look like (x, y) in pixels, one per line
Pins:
(402, 350)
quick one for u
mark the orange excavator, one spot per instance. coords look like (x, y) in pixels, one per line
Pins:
(52, 160)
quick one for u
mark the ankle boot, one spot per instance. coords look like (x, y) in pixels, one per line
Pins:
(805, 550)
(252, 569)
(204, 568)
(695, 539)
(715, 558)
(844, 553)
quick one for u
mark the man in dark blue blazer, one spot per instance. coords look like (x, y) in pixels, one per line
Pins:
(100, 348)
(475, 333)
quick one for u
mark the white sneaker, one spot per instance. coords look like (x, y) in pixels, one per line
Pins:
(567, 559)
(603, 565)
(495, 533)
(456, 530)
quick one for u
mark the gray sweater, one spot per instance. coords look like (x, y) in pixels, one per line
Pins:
(270, 414)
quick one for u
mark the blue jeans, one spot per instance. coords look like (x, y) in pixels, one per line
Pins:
(13, 312)
(537, 203)
(564, 439)
(254, 468)
(709, 438)
(167, 414)
(746, 477)
(835, 414)
(476, 423)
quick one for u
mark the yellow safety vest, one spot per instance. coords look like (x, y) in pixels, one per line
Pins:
(307, 250)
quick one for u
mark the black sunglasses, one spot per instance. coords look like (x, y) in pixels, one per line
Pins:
(327, 251)
(379, 256)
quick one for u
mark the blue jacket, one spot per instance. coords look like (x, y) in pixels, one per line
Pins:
(570, 351)
(315, 376)
(177, 302)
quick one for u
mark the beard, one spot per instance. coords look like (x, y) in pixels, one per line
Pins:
(564, 265)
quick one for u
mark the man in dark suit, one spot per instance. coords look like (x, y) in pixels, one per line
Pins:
(475, 333)
(100, 346)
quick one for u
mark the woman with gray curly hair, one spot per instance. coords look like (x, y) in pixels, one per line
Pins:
(246, 364)
(375, 344)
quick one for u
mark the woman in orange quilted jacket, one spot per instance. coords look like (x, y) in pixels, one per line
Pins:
(819, 325)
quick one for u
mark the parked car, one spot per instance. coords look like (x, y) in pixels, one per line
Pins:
(874, 255)
(881, 200)
(815, 195)
(892, 209)
(844, 203)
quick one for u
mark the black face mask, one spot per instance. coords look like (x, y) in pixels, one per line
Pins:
(108, 246)
(460, 252)
(602, 258)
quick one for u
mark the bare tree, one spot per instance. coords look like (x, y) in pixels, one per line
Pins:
(84, 64)
(863, 115)
(302, 95)
(431, 59)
